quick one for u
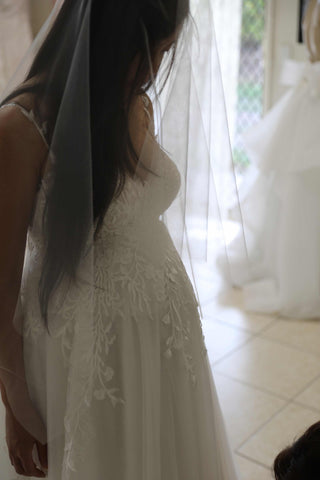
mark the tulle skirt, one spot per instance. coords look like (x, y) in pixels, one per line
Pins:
(156, 414)
(168, 429)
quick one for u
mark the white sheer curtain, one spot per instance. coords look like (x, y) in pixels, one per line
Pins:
(218, 191)
(227, 20)
(15, 36)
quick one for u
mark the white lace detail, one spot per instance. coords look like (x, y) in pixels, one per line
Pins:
(177, 318)
(134, 257)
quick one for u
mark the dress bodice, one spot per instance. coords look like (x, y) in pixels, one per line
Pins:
(139, 200)
(131, 231)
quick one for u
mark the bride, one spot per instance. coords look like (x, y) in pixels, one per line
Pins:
(103, 366)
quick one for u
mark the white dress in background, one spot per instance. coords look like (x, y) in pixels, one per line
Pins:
(148, 330)
(281, 203)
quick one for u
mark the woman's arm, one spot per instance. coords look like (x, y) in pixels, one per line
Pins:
(22, 154)
(4, 396)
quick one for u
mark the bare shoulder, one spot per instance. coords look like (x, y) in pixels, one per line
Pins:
(141, 112)
(21, 152)
(20, 141)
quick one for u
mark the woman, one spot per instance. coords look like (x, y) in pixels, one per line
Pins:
(113, 380)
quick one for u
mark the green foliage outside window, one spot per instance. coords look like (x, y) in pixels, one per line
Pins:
(253, 20)
(251, 76)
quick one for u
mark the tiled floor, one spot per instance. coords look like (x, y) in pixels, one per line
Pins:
(267, 373)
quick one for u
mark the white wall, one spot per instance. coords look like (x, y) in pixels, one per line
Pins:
(281, 44)
(15, 37)
(39, 11)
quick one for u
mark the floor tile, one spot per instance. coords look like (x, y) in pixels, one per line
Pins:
(222, 339)
(245, 409)
(301, 334)
(252, 323)
(249, 470)
(228, 307)
(232, 297)
(311, 395)
(276, 368)
(287, 425)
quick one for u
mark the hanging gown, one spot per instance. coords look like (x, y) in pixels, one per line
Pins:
(155, 410)
(281, 203)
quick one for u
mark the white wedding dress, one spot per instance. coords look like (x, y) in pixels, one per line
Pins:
(155, 411)
(281, 203)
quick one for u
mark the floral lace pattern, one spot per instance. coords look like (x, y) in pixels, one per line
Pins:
(134, 259)
(177, 317)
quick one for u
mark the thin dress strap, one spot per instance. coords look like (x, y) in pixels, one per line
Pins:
(146, 102)
(30, 115)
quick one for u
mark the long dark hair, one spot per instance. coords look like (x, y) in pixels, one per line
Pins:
(301, 460)
(118, 30)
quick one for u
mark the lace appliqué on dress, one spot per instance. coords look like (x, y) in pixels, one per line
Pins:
(180, 301)
(135, 266)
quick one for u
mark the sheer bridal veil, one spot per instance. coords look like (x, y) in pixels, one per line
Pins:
(191, 129)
